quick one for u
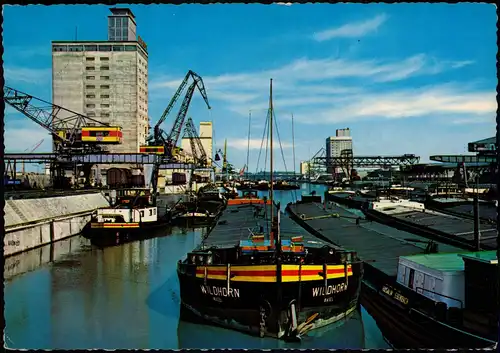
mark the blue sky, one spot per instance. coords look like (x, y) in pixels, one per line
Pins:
(406, 78)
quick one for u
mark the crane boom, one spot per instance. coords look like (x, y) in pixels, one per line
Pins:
(158, 133)
(47, 114)
(196, 147)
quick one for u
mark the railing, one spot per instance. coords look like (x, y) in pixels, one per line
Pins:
(441, 295)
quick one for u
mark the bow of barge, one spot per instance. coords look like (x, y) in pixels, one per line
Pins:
(238, 279)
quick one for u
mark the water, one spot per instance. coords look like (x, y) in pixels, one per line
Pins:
(71, 295)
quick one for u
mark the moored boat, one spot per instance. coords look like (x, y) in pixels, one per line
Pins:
(131, 215)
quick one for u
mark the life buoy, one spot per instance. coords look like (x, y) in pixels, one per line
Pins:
(302, 216)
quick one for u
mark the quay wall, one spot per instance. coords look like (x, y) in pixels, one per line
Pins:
(31, 223)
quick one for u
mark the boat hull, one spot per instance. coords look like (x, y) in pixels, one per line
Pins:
(125, 232)
(408, 327)
(266, 308)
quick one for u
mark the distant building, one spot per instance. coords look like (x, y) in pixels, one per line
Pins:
(304, 167)
(106, 80)
(336, 144)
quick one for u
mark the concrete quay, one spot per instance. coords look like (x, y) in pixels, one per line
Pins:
(35, 222)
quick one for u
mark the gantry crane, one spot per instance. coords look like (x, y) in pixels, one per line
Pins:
(73, 133)
(165, 147)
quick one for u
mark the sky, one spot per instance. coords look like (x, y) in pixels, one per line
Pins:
(405, 78)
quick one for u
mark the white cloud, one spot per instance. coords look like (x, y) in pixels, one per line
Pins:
(26, 75)
(354, 29)
(284, 3)
(432, 100)
(316, 90)
(242, 144)
(22, 139)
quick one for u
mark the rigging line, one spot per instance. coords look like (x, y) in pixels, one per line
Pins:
(248, 145)
(261, 145)
(279, 140)
(267, 144)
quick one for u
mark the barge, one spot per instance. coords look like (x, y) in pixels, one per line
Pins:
(253, 274)
(413, 287)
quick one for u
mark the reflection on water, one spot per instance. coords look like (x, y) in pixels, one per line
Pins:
(127, 296)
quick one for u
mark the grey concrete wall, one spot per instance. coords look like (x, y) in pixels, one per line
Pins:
(31, 260)
(35, 222)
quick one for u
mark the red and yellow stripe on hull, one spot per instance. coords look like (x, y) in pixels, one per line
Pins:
(114, 225)
(267, 273)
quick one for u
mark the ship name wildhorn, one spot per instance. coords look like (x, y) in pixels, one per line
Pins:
(221, 291)
(333, 289)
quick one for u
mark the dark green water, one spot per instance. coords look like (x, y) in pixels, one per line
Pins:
(127, 296)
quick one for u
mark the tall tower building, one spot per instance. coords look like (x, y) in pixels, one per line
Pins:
(336, 144)
(106, 80)
(205, 133)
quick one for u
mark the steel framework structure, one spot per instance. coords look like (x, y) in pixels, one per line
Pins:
(367, 161)
(463, 158)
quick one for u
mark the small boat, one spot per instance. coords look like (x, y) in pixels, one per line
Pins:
(131, 215)
(267, 284)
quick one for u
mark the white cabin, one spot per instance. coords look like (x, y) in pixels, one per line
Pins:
(395, 204)
(145, 214)
(439, 277)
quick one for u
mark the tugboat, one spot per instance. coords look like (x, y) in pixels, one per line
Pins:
(131, 215)
(268, 285)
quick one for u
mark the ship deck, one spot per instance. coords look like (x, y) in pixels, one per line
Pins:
(453, 226)
(236, 220)
(376, 244)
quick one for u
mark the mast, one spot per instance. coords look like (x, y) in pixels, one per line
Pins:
(271, 154)
(293, 145)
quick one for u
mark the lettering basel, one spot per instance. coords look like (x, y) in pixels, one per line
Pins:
(333, 289)
(221, 291)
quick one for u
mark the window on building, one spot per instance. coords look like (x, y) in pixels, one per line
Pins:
(104, 67)
(89, 86)
(142, 213)
(60, 48)
(130, 48)
(89, 59)
(75, 47)
(103, 58)
(104, 105)
(90, 77)
(117, 47)
(90, 68)
(150, 212)
(90, 105)
(104, 95)
(91, 48)
(104, 47)
(104, 77)
(105, 114)
(90, 114)
(90, 96)
(105, 86)
(124, 32)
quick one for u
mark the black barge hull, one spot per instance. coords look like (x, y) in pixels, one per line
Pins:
(263, 309)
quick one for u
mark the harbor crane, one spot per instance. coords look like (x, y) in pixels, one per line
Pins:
(165, 146)
(197, 149)
(73, 133)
